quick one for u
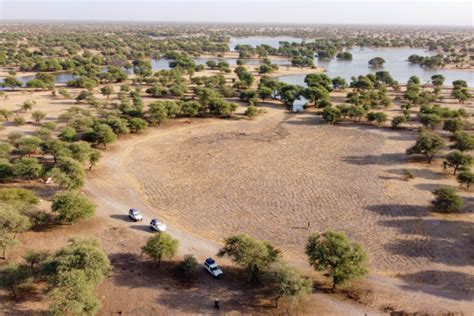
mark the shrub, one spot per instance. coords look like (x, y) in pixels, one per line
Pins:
(397, 120)
(251, 111)
(185, 270)
(71, 207)
(447, 200)
(160, 246)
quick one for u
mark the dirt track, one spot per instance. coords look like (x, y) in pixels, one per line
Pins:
(270, 176)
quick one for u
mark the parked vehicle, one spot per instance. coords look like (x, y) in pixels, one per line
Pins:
(135, 215)
(157, 225)
(211, 266)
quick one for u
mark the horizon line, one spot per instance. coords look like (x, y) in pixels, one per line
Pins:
(34, 21)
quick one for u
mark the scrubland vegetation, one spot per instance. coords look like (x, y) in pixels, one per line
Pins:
(47, 151)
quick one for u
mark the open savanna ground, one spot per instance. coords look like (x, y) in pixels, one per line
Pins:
(277, 177)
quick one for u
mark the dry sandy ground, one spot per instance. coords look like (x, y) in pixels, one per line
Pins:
(208, 178)
(270, 177)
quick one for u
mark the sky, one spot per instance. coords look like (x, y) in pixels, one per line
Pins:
(402, 12)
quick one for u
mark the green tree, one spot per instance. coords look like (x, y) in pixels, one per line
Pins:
(458, 160)
(27, 105)
(251, 111)
(27, 145)
(12, 82)
(84, 255)
(160, 246)
(427, 144)
(254, 255)
(331, 115)
(453, 125)
(11, 224)
(73, 295)
(446, 200)
(68, 173)
(432, 120)
(335, 253)
(437, 80)
(186, 269)
(68, 134)
(80, 151)
(397, 120)
(71, 207)
(376, 62)
(27, 168)
(285, 281)
(339, 83)
(38, 116)
(34, 258)
(13, 278)
(94, 158)
(103, 135)
(466, 177)
(462, 141)
(55, 148)
(137, 124)
(107, 91)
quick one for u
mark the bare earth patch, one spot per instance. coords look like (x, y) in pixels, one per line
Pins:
(269, 178)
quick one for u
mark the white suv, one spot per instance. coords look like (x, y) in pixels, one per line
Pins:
(157, 225)
(135, 215)
(211, 266)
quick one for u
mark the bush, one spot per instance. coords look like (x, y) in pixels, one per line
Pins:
(185, 270)
(466, 177)
(27, 168)
(331, 115)
(19, 121)
(13, 278)
(72, 207)
(447, 200)
(251, 111)
(160, 246)
(397, 120)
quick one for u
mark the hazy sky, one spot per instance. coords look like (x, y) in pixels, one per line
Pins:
(265, 11)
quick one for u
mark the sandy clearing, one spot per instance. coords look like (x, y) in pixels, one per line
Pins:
(191, 179)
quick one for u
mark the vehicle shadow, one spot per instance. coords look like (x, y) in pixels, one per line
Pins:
(142, 227)
(122, 217)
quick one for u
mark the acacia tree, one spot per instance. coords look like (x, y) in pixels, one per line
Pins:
(334, 252)
(68, 173)
(71, 206)
(107, 91)
(75, 270)
(466, 177)
(285, 281)
(160, 246)
(458, 160)
(37, 116)
(13, 278)
(462, 141)
(74, 295)
(447, 200)
(254, 255)
(12, 222)
(427, 144)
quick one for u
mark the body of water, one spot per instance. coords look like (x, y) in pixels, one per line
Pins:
(273, 41)
(158, 64)
(395, 63)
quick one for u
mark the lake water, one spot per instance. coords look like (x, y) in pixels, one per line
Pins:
(158, 64)
(395, 63)
(260, 40)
